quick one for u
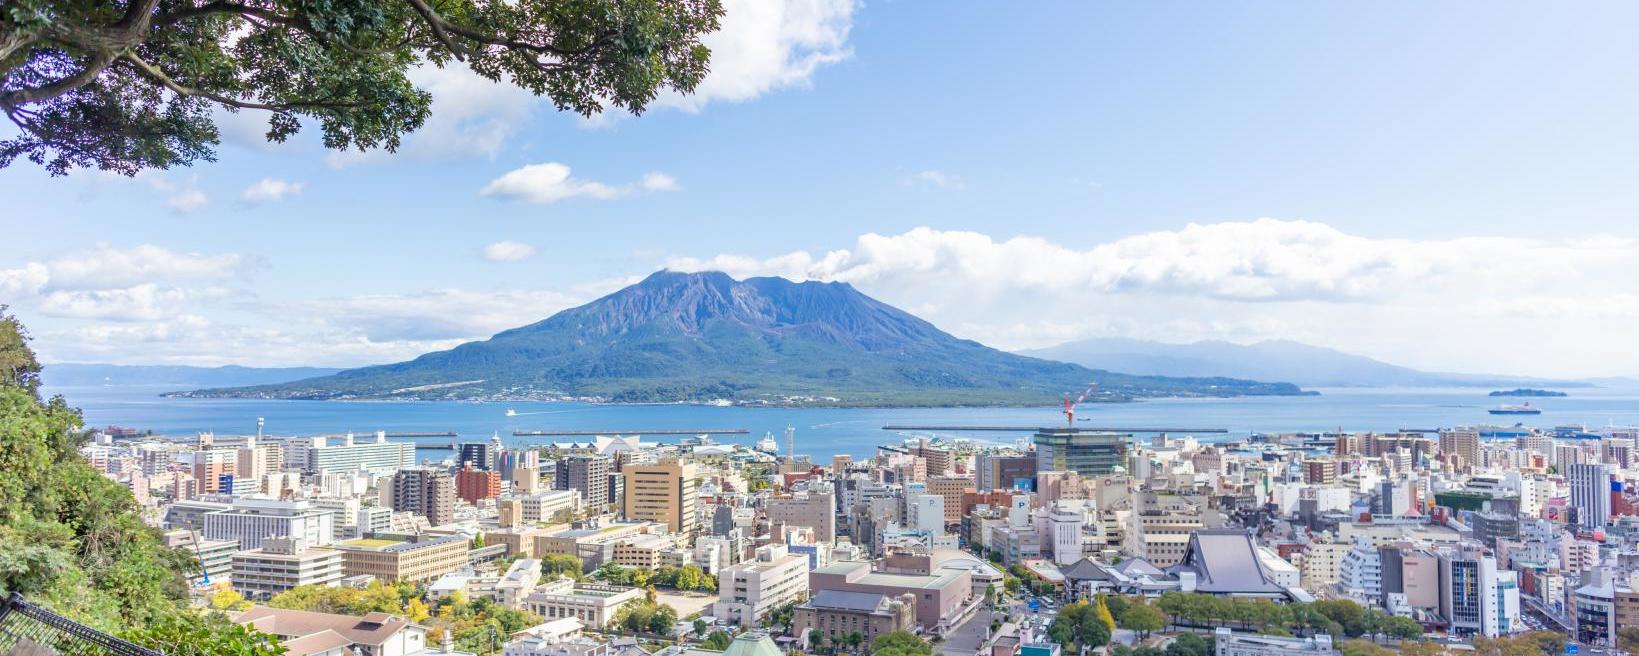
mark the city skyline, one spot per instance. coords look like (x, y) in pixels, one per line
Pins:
(1439, 198)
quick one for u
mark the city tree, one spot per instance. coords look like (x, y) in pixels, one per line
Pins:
(1143, 618)
(134, 85)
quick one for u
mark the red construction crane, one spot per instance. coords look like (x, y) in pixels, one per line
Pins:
(1070, 406)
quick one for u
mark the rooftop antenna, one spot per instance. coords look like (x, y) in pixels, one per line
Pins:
(260, 421)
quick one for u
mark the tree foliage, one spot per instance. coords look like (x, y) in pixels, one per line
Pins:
(1079, 624)
(717, 641)
(72, 540)
(554, 566)
(135, 84)
(1143, 618)
(18, 365)
(377, 597)
(209, 635)
(646, 617)
(1190, 644)
(900, 643)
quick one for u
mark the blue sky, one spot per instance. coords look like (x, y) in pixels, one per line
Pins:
(1446, 186)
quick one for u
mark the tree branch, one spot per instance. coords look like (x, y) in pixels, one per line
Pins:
(47, 92)
(282, 108)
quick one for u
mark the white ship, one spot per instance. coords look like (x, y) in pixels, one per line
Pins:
(511, 413)
(767, 444)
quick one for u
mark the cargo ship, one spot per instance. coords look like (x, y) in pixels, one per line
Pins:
(1522, 409)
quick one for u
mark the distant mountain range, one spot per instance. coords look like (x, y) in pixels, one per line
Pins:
(1300, 364)
(705, 337)
(175, 377)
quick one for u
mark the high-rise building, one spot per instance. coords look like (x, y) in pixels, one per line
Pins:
(211, 465)
(1464, 443)
(938, 458)
(473, 484)
(588, 476)
(426, 492)
(483, 455)
(1003, 472)
(1086, 453)
(663, 492)
(815, 510)
(1476, 598)
(1591, 494)
(951, 488)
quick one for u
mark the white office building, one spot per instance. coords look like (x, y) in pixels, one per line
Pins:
(250, 521)
(749, 591)
(1591, 494)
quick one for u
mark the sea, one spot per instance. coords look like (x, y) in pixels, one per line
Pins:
(824, 432)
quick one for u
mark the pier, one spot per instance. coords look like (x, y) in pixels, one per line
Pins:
(435, 434)
(1036, 429)
(660, 431)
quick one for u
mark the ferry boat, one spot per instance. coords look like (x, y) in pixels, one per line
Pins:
(1523, 409)
(511, 413)
(767, 444)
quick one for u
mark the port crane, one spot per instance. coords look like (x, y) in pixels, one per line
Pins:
(1070, 406)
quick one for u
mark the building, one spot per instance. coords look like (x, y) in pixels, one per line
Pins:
(588, 476)
(951, 488)
(815, 510)
(304, 633)
(549, 506)
(1463, 443)
(941, 594)
(1475, 597)
(664, 492)
(593, 604)
(417, 560)
(281, 564)
(1160, 528)
(1064, 524)
(318, 456)
(835, 614)
(473, 484)
(426, 492)
(1591, 494)
(1229, 643)
(214, 558)
(748, 591)
(482, 455)
(1225, 562)
(249, 521)
(1004, 472)
(1086, 453)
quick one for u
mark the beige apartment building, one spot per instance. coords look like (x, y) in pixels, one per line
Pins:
(1160, 526)
(815, 510)
(749, 591)
(663, 492)
(951, 488)
(418, 561)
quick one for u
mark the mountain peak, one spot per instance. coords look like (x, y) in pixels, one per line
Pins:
(704, 335)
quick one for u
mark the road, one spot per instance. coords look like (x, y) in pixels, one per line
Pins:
(968, 636)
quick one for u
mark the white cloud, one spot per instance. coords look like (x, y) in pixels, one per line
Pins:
(657, 181)
(1263, 260)
(509, 251)
(181, 197)
(551, 182)
(106, 266)
(29, 279)
(935, 178)
(268, 190)
(143, 302)
(766, 45)
(1463, 304)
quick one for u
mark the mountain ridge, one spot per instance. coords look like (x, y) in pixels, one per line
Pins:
(705, 337)
(1287, 360)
